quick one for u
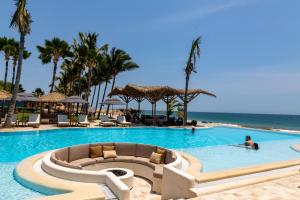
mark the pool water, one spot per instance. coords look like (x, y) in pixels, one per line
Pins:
(211, 146)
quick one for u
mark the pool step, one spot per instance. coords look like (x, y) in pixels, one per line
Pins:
(242, 181)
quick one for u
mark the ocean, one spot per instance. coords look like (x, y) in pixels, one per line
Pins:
(264, 121)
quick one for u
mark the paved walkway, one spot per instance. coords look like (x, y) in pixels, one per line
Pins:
(287, 188)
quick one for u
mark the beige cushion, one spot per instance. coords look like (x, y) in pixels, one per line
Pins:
(69, 165)
(79, 152)
(110, 154)
(144, 151)
(163, 154)
(62, 154)
(124, 158)
(83, 162)
(96, 151)
(155, 158)
(98, 159)
(169, 157)
(125, 149)
(108, 148)
(143, 161)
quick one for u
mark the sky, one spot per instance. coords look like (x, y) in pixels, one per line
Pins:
(250, 50)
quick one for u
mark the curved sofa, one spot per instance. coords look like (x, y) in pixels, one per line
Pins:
(74, 163)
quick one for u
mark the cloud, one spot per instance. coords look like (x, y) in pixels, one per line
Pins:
(200, 12)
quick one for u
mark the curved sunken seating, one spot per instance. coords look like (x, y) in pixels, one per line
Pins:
(76, 163)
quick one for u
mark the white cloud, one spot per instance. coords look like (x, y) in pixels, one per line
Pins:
(200, 12)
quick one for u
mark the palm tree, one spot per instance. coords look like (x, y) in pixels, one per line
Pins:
(9, 46)
(38, 92)
(54, 50)
(190, 67)
(87, 52)
(20, 20)
(26, 54)
(119, 61)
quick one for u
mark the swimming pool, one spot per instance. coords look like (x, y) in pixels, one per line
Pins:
(211, 146)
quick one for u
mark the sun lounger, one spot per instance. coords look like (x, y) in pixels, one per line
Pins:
(62, 120)
(83, 120)
(34, 120)
(13, 120)
(105, 121)
(121, 120)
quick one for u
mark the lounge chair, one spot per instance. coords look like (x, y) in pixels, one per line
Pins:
(105, 121)
(83, 120)
(14, 120)
(34, 120)
(62, 120)
(121, 120)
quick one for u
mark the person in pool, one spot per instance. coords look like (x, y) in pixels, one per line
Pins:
(250, 143)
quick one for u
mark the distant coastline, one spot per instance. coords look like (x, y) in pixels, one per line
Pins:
(260, 121)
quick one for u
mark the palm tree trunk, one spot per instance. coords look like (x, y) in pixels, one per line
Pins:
(53, 76)
(93, 96)
(102, 98)
(98, 95)
(89, 84)
(187, 78)
(13, 76)
(112, 88)
(5, 75)
(12, 105)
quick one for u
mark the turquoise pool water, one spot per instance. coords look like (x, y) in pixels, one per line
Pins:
(211, 146)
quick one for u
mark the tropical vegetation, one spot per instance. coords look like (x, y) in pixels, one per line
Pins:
(190, 68)
(21, 20)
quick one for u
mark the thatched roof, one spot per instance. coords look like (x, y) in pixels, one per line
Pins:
(53, 97)
(4, 95)
(156, 93)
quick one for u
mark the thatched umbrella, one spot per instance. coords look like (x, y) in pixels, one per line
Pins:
(4, 95)
(53, 97)
(78, 100)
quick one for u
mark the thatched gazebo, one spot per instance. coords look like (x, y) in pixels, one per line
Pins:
(154, 94)
(51, 99)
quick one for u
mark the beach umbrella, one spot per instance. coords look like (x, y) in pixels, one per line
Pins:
(112, 101)
(74, 99)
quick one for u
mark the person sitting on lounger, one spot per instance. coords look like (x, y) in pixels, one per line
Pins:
(250, 143)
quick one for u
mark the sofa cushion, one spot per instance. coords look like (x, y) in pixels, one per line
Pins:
(143, 161)
(124, 158)
(69, 165)
(125, 149)
(143, 150)
(83, 162)
(96, 151)
(158, 172)
(163, 154)
(156, 158)
(109, 154)
(98, 159)
(170, 157)
(79, 152)
(108, 147)
(62, 154)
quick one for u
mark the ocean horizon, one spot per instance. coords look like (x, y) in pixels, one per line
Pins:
(263, 121)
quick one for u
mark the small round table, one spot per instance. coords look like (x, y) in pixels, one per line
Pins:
(125, 175)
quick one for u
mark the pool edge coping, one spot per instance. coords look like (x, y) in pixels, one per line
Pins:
(72, 190)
